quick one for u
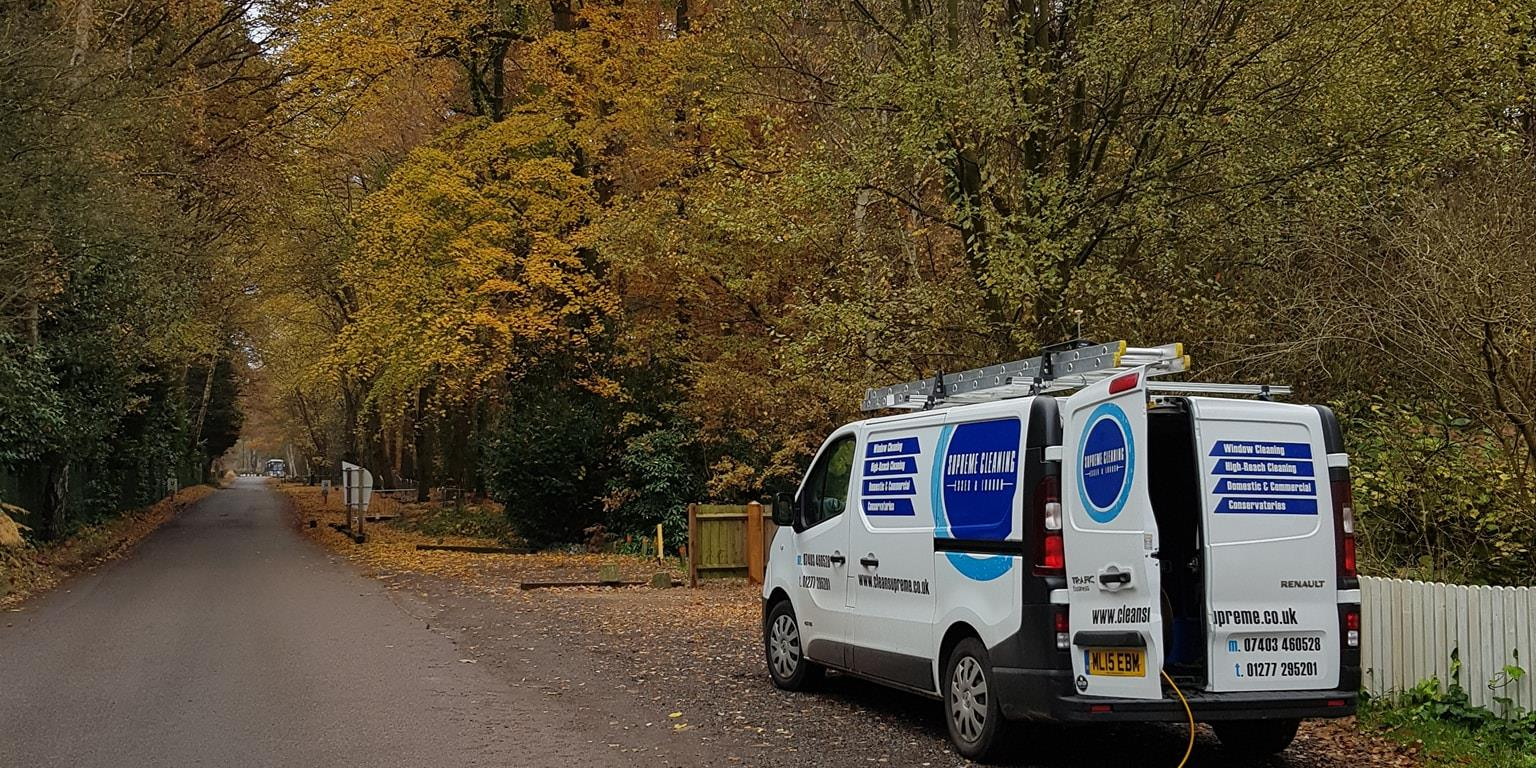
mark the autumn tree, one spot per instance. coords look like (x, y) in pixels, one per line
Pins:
(126, 137)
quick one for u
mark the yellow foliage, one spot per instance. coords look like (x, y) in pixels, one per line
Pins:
(470, 266)
(10, 530)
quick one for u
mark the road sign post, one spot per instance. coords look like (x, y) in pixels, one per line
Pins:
(356, 492)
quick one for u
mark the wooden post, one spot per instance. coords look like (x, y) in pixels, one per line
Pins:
(661, 553)
(693, 545)
(755, 558)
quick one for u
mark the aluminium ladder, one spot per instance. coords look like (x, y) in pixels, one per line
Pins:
(1063, 367)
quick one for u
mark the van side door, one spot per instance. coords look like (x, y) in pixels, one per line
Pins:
(1111, 544)
(889, 590)
(821, 546)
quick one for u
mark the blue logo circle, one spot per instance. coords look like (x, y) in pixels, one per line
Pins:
(1105, 461)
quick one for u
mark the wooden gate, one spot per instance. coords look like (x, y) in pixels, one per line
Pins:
(728, 540)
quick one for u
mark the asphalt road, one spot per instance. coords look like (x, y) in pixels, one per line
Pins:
(226, 639)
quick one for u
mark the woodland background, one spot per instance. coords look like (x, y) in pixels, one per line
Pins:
(599, 259)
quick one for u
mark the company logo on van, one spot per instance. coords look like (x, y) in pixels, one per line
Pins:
(974, 486)
(1105, 461)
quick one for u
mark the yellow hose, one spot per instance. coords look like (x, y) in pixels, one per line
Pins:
(1187, 711)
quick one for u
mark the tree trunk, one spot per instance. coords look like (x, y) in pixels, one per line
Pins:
(202, 408)
(83, 21)
(378, 452)
(55, 496)
(423, 446)
(564, 13)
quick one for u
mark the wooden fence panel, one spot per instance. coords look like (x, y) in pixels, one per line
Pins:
(721, 543)
(1410, 628)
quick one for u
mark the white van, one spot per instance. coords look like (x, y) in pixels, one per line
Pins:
(1074, 558)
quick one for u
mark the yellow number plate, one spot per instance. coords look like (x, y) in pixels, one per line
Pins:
(1118, 662)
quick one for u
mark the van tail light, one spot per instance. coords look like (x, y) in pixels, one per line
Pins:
(1050, 550)
(1123, 383)
(1344, 527)
(1063, 628)
(1352, 628)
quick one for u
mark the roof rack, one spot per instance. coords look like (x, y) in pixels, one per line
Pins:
(1263, 391)
(1058, 368)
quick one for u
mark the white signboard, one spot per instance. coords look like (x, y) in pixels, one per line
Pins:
(356, 486)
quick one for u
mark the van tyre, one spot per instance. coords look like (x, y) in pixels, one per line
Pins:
(787, 664)
(1255, 738)
(971, 709)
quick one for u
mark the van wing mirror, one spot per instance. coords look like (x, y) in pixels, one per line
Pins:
(783, 510)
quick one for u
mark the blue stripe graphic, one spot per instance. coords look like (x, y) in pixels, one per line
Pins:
(1261, 449)
(1266, 506)
(889, 508)
(900, 466)
(901, 446)
(892, 486)
(1263, 468)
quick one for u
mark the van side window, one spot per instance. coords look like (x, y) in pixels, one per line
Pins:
(826, 492)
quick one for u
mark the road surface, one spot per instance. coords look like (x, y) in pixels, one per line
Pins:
(227, 639)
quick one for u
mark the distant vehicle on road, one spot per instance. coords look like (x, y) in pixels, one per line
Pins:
(277, 468)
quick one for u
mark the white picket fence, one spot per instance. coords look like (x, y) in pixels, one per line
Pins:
(1409, 629)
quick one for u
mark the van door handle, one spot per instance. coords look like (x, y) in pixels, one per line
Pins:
(869, 561)
(1123, 577)
(837, 559)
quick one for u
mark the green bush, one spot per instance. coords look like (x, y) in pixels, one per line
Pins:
(657, 478)
(1452, 729)
(1437, 496)
(548, 459)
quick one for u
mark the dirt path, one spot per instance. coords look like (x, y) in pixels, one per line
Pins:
(637, 656)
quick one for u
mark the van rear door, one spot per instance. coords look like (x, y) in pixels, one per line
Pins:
(1111, 541)
(1271, 571)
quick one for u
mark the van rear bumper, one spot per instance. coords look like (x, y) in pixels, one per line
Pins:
(1035, 694)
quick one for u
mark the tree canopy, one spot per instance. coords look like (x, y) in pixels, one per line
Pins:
(683, 238)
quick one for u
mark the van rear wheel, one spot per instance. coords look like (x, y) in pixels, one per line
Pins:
(1255, 738)
(971, 708)
(787, 664)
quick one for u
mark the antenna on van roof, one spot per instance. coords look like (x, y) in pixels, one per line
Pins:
(1058, 368)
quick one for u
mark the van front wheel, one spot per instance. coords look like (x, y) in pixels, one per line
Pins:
(1255, 738)
(971, 708)
(787, 664)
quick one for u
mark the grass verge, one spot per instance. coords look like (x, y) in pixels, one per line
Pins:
(1442, 734)
(391, 545)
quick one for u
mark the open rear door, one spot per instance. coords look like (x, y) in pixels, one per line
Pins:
(1272, 575)
(1111, 541)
